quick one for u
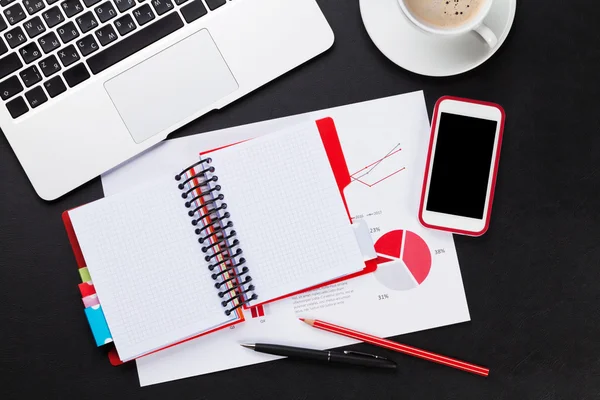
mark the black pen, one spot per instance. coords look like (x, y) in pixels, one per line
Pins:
(346, 357)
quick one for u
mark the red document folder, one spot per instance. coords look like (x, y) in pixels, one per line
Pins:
(340, 170)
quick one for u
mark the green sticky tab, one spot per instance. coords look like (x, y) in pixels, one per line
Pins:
(85, 274)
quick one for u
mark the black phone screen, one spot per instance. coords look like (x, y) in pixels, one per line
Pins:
(461, 165)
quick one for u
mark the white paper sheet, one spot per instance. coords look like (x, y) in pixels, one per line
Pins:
(418, 287)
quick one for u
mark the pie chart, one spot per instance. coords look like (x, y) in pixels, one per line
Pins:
(404, 260)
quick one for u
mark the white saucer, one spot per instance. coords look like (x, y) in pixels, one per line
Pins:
(423, 53)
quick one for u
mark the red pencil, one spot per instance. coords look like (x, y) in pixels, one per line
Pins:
(401, 348)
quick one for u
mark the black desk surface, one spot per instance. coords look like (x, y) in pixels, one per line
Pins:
(533, 281)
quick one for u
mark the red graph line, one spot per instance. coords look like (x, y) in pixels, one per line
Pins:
(382, 179)
(374, 165)
(377, 162)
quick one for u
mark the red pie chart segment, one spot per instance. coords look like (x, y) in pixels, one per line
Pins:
(390, 244)
(417, 256)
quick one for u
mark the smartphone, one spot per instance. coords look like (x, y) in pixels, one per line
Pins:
(461, 168)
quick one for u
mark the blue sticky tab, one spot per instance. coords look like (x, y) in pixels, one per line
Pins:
(98, 324)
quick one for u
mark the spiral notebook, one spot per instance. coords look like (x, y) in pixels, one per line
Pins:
(244, 225)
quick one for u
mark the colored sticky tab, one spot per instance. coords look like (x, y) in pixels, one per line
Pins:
(98, 324)
(85, 274)
(91, 301)
(86, 289)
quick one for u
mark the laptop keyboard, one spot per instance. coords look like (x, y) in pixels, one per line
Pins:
(50, 46)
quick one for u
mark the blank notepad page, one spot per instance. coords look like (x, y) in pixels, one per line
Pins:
(287, 211)
(148, 268)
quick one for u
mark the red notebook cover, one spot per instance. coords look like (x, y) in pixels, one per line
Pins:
(340, 170)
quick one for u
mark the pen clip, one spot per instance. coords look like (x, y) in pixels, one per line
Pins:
(358, 353)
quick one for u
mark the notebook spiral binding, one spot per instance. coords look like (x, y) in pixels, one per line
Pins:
(213, 226)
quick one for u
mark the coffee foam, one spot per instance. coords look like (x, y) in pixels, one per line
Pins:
(444, 13)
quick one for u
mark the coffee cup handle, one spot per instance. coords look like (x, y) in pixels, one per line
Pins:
(487, 35)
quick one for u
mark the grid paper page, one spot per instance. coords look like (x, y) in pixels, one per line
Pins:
(147, 268)
(287, 211)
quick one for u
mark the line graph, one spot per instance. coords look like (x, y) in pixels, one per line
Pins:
(379, 170)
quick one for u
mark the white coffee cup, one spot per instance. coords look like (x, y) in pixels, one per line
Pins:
(474, 24)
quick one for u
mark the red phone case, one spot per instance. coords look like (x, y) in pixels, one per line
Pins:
(429, 155)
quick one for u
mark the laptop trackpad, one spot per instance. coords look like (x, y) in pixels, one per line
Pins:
(171, 86)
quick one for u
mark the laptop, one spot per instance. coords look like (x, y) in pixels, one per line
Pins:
(88, 84)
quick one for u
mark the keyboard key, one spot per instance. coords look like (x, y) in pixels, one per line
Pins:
(14, 14)
(180, 2)
(30, 52)
(33, 6)
(125, 24)
(49, 66)
(34, 27)
(49, 42)
(162, 6)
(15, 37)
(9, 64)
(90, 3)
(68, 55)
(143, 14)
(135, 42)
(71, 7)
(214, 4)
(87, 45)
(105, 11)
(17, 107)
(3, 48)
(4, 3)
(76, 75)
(87, 22)
(124, 5)
(3, 24)
(106, 35)
(36, 97)
(10, 87)
(30, 76)
(50, 2)
(193, 11)
(67, 32)
(55, 86)
(53, 16)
